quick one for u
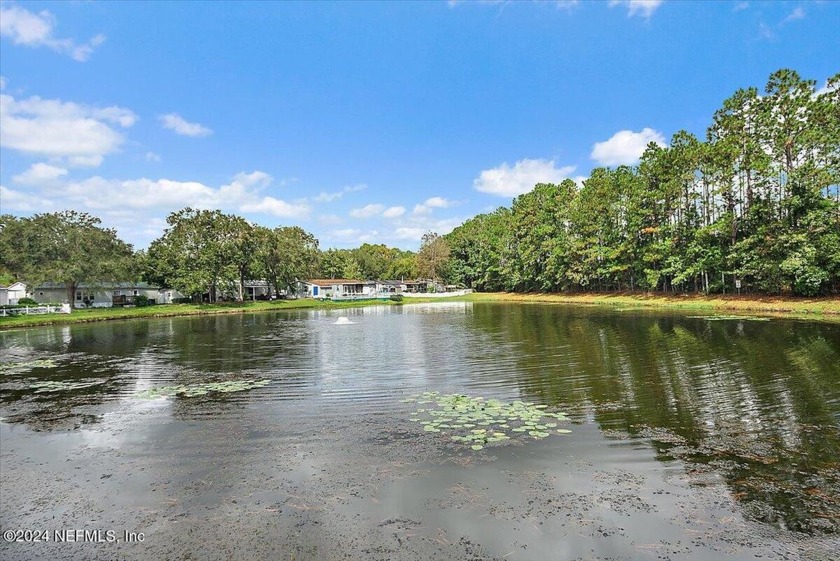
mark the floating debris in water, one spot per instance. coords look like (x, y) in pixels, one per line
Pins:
(55, 386)
(730, 318)
(194, 390)
(10, 367)
(477, 422)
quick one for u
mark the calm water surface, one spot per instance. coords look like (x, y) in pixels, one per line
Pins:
(691, 439)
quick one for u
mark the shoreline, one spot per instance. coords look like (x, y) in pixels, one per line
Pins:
(819, 309)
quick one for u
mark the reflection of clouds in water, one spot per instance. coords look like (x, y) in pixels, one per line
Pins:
(437, 307)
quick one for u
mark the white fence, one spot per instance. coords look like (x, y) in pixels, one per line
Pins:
(62, 309)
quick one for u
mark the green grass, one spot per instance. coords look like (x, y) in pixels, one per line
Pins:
(174, 310)
(824, 309)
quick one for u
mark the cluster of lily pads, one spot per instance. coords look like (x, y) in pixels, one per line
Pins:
(55, 386)
(728, 318)
(476, 421)
(193, 390)
(9, 367)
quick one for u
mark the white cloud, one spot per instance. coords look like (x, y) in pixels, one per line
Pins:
(135, 206)
(644, 8)
(741, 6)
(152, 157)
(367, 211)
(409, 233)
(98, 194)
(414, 228)
(394, 212)
(330, 197)
(510, 181)
(40, 174)
(276, 207)
(2, 83)
(22, 202)
(625, 147)
(36, 30)
(796, 14)
(438, 202)
(428, 205)
(51, 127)
(175, 122)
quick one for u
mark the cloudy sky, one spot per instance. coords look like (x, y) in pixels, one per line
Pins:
(363, 122)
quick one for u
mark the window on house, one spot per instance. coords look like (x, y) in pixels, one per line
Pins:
(136, 292)
(78, 295)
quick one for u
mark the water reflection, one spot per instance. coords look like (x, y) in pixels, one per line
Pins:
(756, 402)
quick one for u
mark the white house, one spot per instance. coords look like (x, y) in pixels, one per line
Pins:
(340, 288)
(9, 295)
(103, 296)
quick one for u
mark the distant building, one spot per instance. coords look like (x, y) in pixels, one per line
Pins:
(9, 295)
(105, 295)
(340, 288)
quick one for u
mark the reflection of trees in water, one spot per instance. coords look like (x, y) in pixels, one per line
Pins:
(130, 356)
(759, 401)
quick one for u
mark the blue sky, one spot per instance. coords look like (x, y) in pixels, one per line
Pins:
(363, 122)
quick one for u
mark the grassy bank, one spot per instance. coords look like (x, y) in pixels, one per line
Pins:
(825, 309)
(174, 310)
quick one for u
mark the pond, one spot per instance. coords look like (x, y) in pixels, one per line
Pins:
(594, 434)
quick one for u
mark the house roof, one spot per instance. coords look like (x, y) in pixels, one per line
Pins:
(331, 282)
(102, 286)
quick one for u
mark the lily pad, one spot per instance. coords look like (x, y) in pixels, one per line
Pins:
(195, 390)
(476, 421)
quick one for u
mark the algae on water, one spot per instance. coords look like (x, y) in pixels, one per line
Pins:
(10, 367)
(55, 386)
(476, 422)
(193, 390)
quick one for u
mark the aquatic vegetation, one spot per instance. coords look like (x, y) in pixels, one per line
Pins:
(193, 390)
(477, 422)
(10, 367)
(729, 318)
(54, 386)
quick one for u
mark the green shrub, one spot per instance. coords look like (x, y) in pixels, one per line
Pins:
(27, 302)
(141, 301)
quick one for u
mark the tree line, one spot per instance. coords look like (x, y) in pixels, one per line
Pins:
(756, 204)
(204, 254)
